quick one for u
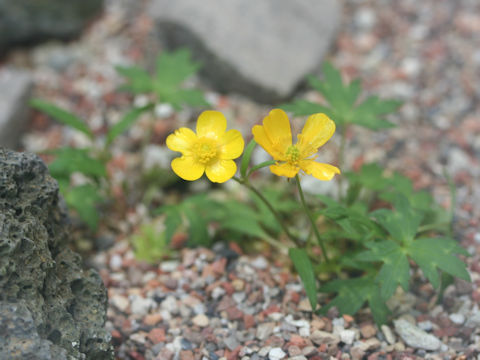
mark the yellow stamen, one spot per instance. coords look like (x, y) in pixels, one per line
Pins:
(205, 150)
(293, 154)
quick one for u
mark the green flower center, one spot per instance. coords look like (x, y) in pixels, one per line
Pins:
(205, 150)
(293, 154)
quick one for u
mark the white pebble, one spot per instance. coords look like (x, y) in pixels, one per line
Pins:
(347, 336)
(115, 262)
(276, 354)
(458, 319)
(260, 263)
(141, 306)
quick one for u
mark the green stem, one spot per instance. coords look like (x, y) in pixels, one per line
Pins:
(312, 220)
(341, 158)
(246, 183)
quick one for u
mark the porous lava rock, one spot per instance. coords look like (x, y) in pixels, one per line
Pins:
(50, 308)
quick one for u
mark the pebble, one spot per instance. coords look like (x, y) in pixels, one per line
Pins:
(387, 332)
(170, 305)
(201, 320)
(120, 302)
(169, 266)
(368, 331)
(115, 262)
(276, 354)
(260, 263)
(415, 337)
(347, 336)
(141, 306)
(458, 319)
(425, 325)
(264, 330)
(320, 337)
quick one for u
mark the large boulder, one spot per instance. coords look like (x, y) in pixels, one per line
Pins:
(28, 21)
(262, 49)
(50, 308)
(15, 90)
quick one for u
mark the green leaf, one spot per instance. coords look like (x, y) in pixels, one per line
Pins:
(198, 231)
(70, 160)
(150, 245)
(61, 115)
(140, 81)
(432, 254)
(370, 113)
(84, 199)
(304, 108)
(403, 223)
(352, 295)
(395, 268)
(304, 267)
(174, 67)
(173, 220)
(247, 154)
(343, 105)
(127, 121)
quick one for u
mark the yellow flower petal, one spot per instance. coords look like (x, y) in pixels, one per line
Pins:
(318, 170)
(187, 168)
(285, 169)
(277, 128)
(211, 124)
(318, 129)
(260, 136)
(181, 140)
(232, 145)
(221, 171)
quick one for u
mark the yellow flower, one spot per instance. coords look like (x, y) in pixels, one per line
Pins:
(211, 150)
(275, 137)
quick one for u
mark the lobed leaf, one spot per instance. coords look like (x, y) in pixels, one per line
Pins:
(84, 200)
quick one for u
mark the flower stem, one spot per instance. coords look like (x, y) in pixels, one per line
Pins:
(341, 158)
(246, 183)
(310, 217)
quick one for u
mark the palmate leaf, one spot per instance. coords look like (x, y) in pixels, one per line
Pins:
(395, 268)
(175, 67)
(139, 81)
(343, 102)
(127, 121)
(352, 295)
(432, 254)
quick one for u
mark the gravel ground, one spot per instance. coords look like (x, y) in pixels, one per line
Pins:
(222, 304)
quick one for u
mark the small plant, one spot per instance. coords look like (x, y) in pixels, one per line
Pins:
(370, 237)
(172, 70)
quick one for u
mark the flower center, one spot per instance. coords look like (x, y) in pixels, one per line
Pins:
(205, 150)
(293, 154)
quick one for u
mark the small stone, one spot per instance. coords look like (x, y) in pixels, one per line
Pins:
(294, 350)
(425, 325)
(141, 306)
(231, 342)
(309, 350)
(387, 332)
(152, 319)
(456, 318)
(298, 357)
(347, 336)
(264, 351)
(115, 262)
(170, 305)
(169, 266)
(234, 313)
(120, 302)
(238, 284)
(156, 335)
(371, 344)
(201, 320)
(186, 355)
(139, 338)
(276, 354)
(260, 263)
(368, 331)
(218, 292)
(304, 332)
(265, 330)
(319, 337)
(239, 297)
(304, 305)
(415, 337)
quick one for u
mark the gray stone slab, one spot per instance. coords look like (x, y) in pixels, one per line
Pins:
(15, 90)
(259, 48)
